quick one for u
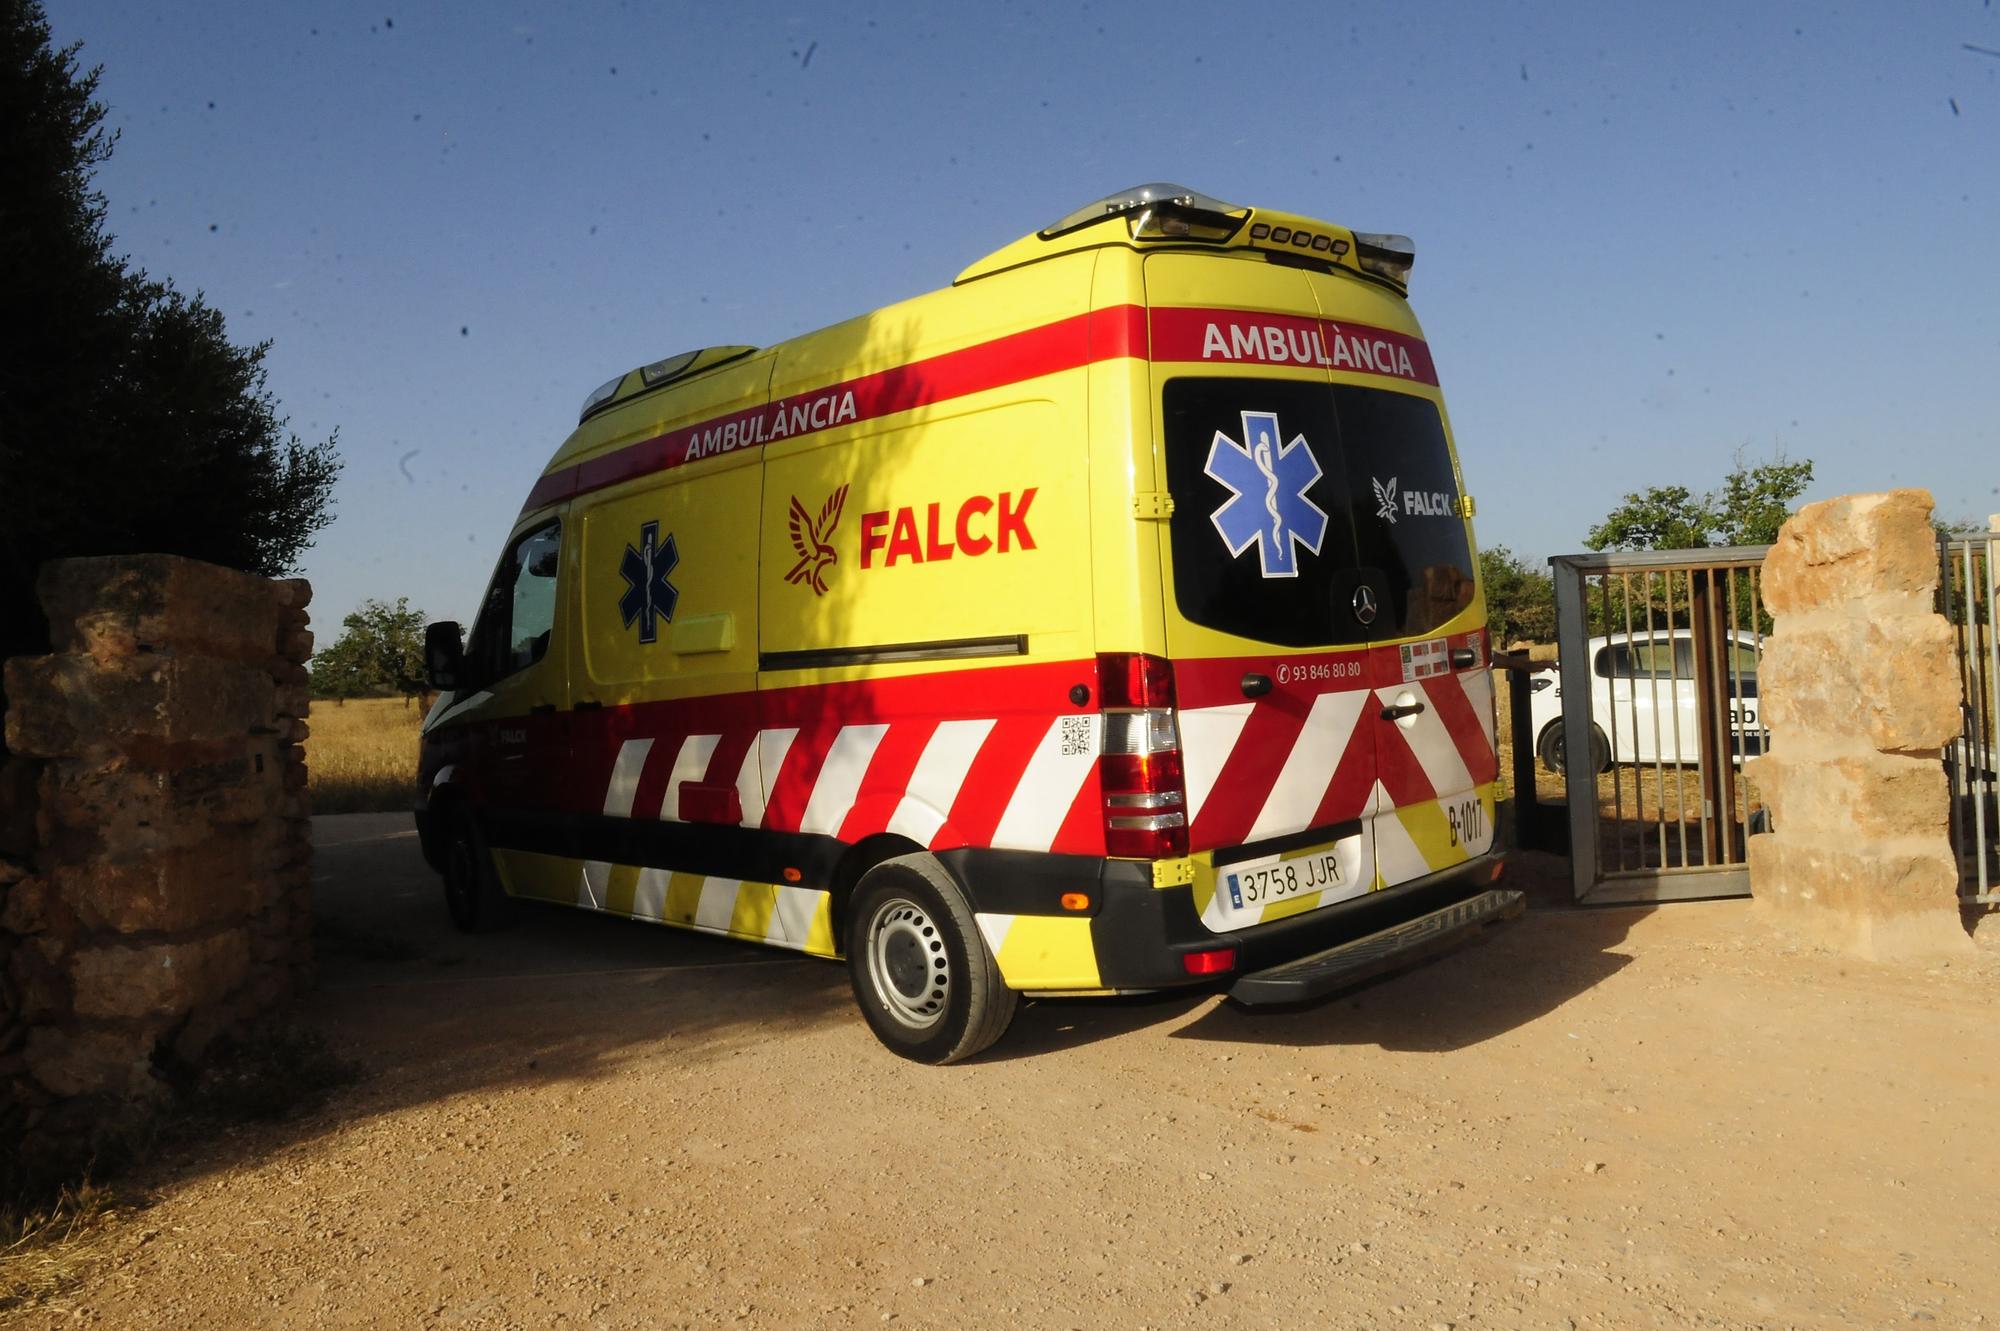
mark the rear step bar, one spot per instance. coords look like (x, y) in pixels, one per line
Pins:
(1393, 948)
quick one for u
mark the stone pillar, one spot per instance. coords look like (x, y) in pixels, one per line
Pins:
(1859, 686)
(159, 897)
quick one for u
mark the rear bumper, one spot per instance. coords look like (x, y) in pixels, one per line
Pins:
(1142, 933)
(1388, 949)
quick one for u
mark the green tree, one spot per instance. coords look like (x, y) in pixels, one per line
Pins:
(380, 653)
(344, 670)
(1520, 600)
(128, 421)
(1748, 508)
(1755, 501)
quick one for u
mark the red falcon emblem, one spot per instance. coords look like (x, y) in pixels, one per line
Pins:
(813, 539)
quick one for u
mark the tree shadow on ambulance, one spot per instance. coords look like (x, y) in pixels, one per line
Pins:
(1642, 702)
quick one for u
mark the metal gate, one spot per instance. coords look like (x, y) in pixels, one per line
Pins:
(1967, 597)
(1658, 655)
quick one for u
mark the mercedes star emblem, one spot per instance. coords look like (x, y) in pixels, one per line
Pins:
(1364, 604)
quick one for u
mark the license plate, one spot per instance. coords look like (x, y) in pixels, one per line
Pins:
(1334, 870)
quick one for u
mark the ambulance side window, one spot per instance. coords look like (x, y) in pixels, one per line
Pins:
(519, 611)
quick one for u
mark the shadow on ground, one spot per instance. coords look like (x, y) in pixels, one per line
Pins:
(428, 1014)
(565, 996)
(1509, 976)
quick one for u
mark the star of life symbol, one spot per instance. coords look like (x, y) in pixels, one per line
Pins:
(649, 597)
(1385, 499)
(1269, 505)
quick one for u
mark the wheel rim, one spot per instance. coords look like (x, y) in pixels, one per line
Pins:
(908, 964)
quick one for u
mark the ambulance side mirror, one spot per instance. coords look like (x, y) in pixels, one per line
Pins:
(444, 654)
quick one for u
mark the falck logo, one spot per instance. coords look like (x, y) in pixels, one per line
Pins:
(649, 597)
(813, 539)
(1269, 505)
(1385, 499)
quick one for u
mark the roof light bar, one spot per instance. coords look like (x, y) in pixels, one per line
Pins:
(1386, 256)
(1156, 198)
(599, 395)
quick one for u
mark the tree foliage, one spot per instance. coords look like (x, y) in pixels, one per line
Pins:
(380, 653)
(128, 421)
(1748, 508)
(1520, 600)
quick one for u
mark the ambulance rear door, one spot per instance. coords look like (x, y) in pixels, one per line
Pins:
(1268, 603)
(1430, 662)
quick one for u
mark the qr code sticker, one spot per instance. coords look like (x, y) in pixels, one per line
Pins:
(1077, 738)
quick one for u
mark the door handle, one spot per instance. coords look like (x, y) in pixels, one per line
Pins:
(1256, 685)
(1398, 713)
(1463, 658)
(588, 705)
(542, 709)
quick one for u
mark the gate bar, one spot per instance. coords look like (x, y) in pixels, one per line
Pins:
(1722, 872)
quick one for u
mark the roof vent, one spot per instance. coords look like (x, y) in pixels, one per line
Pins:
(661, 372)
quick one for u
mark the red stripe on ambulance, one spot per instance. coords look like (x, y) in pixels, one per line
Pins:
(1468, 731)
(886, 780)
(1052, 348)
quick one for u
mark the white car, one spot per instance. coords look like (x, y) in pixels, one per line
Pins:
(1642, 701)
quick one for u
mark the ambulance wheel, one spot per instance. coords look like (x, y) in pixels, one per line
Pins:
(1553, 751)
(923, 975)
(472, 891)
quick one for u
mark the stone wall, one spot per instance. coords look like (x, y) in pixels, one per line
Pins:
(154, 845)
(1860, 690)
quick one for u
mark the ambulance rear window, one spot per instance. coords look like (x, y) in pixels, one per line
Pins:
(1290, 498)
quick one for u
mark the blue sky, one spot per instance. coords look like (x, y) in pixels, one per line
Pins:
(1648, 237)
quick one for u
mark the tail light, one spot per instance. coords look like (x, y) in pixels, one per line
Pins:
(1145, 798)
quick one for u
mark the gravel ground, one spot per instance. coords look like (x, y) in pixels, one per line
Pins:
(1614, 1118)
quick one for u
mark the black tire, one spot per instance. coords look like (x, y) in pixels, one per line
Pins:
(1551, 749)
(472, 892)
(922, 973)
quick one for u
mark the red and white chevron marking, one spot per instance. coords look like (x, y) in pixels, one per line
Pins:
(1315, 749)
(1265, 770)
(996, 758)
(1001, 758)
(984, 781)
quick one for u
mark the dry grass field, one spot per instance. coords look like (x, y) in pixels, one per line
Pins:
(362, 756)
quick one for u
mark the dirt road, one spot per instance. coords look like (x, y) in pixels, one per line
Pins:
(1598, 1119)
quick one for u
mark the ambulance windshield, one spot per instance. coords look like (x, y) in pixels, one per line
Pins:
(1312, 514)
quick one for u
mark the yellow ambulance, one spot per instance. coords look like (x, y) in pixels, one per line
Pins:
(1107, 621)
